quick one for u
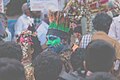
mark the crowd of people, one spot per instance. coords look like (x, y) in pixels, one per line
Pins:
(25, 54)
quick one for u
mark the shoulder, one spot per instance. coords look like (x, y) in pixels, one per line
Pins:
(44, 23)
(116, 18)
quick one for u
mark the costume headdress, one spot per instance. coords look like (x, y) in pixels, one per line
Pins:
(58, 29)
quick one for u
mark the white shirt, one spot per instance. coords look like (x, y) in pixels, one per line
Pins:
(114, 31)
(22, 24)
(42, 31)
(9, 37)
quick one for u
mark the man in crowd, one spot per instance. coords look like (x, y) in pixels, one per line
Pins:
(11, 69)
(40, 26)
(99, 57)
(23, 21)
(47, 66)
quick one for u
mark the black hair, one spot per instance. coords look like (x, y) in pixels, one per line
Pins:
(47, 66)
(102, 22)
(101, 76)
(10, 50)
(77, 59)
(36, 46)
(11, 69)
(100, 56)
(77, 30)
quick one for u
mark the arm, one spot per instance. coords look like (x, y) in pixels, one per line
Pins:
(42, 38)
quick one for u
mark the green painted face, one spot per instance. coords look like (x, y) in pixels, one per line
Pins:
(53, 40)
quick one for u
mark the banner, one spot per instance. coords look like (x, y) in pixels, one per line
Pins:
(41, 5)
(1, 6)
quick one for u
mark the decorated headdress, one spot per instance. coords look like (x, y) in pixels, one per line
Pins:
(58, 29)
(25, 39)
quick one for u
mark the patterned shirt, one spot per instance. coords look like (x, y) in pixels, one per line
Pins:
(85, 40)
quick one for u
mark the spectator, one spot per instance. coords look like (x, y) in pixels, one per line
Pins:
(77, 59)
(73, 65)
(101, 76)
(11, 69)
(46, 19)
(40, 27)
(99, 57)
(4, 32)
(47, 66)
(101, 24)
(10, 50)
(23, 21)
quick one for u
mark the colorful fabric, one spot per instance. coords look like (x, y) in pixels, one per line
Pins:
(61, 27)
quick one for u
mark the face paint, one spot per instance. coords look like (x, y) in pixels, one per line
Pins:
(53, 40)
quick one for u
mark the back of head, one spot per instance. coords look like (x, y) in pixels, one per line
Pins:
(77, 59)
(99, 56)
(102, 22)
(47, 66)
(10, 50)
(101, 76)
(11, 69)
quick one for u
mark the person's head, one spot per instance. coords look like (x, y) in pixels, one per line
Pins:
(11, 69)
(3, 20)
(77, 59)
(99, 56)
(26, 9)
(102, 22)
(10, 50)
(47, 66)
(36, 14)
(77, 32)
(101, 76)
(30, 44)
(3, 25)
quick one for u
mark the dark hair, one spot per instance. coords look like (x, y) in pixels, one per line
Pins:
(101, 76)
(77, 59)
(77, 30)
(47, 66)
(99, 56)
(10, 50)
(11, 69)
(36, 46)
(102, 22)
